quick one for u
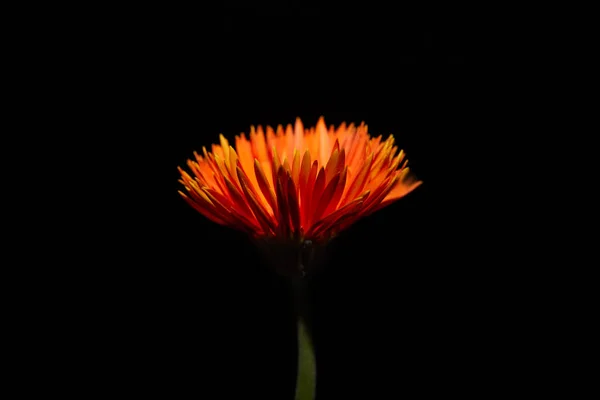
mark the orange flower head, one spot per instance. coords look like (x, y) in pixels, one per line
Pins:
(296, 184)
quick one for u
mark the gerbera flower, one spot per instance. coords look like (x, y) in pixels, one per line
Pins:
(297, 184)
(292, 190)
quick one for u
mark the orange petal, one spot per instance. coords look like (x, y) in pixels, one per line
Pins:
(238, 201)
(332, 166)
(325, 198)
(405, 185)
(317, 191)
(357, 154)
(244, 152)
(265, 188)
(286, 165)
(254, 189)
(233, 158)
(272, 141)
(224, 206)
(292, 202)
(289, 141)
(333, 203)
(204, 168)
(259, 144)
(186, 177)
(359, 182)
(275, 163)
(400, 190)
(299, 135)
(304, 172)
(324, 146)
(281, 192)
(306, 195)
(336, 147)
(218, 173)
(296, 167)
(259, 212)
(204, 210)
(379, 195)
(217, 150)
(212, 171)
(350, 137)
(217, 207)
(225, 146)
(336, 164)
(198, 194)
(351, 208)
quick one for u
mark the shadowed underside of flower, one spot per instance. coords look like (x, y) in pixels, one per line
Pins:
(296, 184)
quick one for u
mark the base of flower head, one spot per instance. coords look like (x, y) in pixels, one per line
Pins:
(292, 258)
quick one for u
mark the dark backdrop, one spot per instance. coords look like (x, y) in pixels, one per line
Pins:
(402, 308)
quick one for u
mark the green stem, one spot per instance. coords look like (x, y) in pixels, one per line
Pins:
(307, 367)
(306, 379)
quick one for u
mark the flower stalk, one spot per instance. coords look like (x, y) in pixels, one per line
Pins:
(307, 371)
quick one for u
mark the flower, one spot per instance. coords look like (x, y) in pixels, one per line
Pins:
(295, 184)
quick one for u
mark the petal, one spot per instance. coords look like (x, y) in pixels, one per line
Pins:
(359, 182)
(349, 209)
(223, 205)
(304, 172)
(333, 203)
(289, 141)
(259, 211)
(259, 144)
(332, 166)
(379, 194)
(225, 146)
(204, 210)
(292, 202)
(299, 135)
(325, 198)
(265, 187)
(306, 195)
(238, 200)
(296, 167)
(281, 192)
(317, 191)
(324, 146)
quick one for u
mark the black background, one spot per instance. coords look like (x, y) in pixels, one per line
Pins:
(403, 307)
